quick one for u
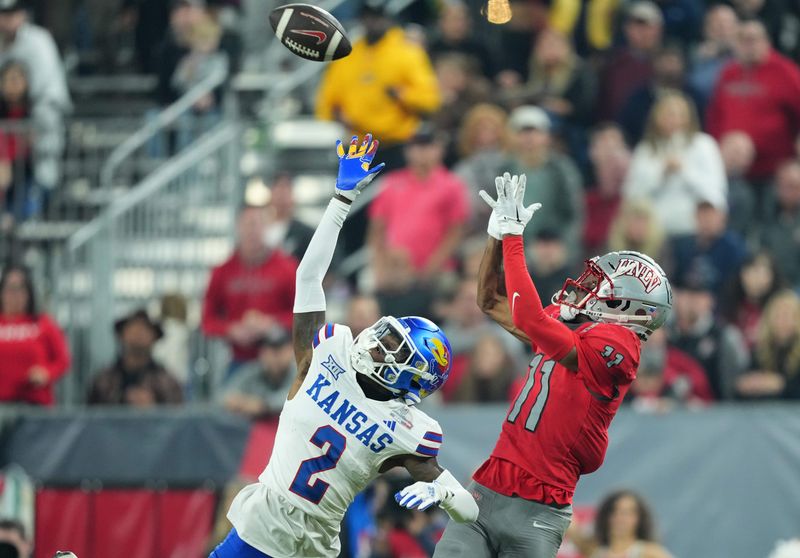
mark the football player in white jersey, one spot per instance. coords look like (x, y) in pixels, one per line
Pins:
(350, 413)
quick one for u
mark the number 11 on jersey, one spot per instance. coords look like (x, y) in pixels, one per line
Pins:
(535, 413)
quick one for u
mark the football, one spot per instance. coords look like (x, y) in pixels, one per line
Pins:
(310, 32)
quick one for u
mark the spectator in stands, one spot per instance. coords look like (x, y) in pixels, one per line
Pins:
(590, 24)
(636, 227)
(186, 17)
(251, 293)
(553, 179)
(430, 230)
(738, 153)
(33, 349)
(260, 387)
(203, 60)
(398, 287)
(669, 74)
(22, 195)
(610, 159)
(489, 375)
(772, 13)
(775, 370)
(623, 527)
(33, 46)
(676, 165)
(711, 55)
(719, 348)
(455, 34)
(172, 350)
(461, 89)
(362, 312)
(630, 66)
(392, 98)
(668, 376)
(746, 296)
(559, 82)
(719, 252)
(135, 378)
(780, 231)
(758, 94)
(550, 262)
(404, 533)
(13, 540)
(283, 229)
(482, 141)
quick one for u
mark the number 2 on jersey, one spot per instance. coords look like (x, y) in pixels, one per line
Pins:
(535, 413)
(302, 485)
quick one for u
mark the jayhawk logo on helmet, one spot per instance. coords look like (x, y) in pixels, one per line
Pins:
(439, 351)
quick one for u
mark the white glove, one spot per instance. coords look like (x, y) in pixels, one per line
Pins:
(512, 215)
(493, 228)
(422, 495)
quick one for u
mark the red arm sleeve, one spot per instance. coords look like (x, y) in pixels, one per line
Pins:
(554, 338)
(56, 347)
(213, 324)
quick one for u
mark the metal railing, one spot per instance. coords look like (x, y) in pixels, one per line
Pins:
(159, 238)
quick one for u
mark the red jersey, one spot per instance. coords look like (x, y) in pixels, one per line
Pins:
(557, 427)
(25, 342)
(235, 288)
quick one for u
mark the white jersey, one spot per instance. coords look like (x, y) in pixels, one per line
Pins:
(331, 442)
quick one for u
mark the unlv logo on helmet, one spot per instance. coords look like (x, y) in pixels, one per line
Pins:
(649, 277)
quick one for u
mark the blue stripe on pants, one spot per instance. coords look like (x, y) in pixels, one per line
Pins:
(234, 547)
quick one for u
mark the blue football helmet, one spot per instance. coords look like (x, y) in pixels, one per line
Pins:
(415, 356)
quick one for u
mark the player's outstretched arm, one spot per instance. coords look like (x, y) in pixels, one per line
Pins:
(527, 312)
(491, 301)
(436, 486)
(309, 301)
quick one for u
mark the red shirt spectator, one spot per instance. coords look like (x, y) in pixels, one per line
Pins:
(251, 292)
(758, 94)
(33, 351)
(421, 210)
(630, 67)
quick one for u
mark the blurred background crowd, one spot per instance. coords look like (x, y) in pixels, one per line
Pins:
(670, 127)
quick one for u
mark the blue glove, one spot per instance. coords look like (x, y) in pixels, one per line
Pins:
(354, 171)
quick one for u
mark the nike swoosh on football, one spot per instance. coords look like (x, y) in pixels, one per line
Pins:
(545, 526)
(319, 35)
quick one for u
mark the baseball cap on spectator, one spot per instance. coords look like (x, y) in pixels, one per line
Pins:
(645, 11)
(697, 278)
(548, 234)
(11, 6)
(138, 315)
(720, 204)
(277, 337)
(529, 117)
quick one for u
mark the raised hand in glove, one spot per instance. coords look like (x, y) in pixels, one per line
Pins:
(354, 171)
(509, 214)
(422, 495)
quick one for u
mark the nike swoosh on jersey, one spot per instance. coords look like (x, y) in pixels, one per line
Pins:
(514, 298)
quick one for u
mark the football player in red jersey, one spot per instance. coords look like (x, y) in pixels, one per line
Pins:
(586, 346)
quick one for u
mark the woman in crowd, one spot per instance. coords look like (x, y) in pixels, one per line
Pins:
(623, 528)
(636, 227)
(676, 165)
(33, 350)
(489, 375)
(748, 294)
(776, 357)
(481, 143)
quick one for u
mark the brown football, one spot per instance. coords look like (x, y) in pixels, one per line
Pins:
(310, 32)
